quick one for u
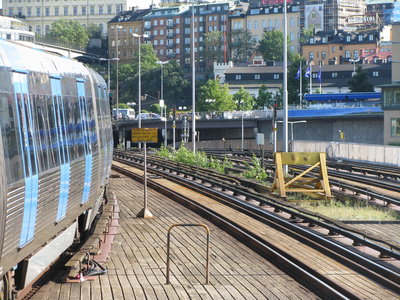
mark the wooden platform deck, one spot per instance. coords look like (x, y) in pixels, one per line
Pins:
(136, 267)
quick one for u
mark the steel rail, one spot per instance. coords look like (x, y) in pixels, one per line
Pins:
(383, 275)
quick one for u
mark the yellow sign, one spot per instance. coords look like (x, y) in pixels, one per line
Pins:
(145, 135)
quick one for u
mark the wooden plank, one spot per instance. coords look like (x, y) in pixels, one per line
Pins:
(299, 158)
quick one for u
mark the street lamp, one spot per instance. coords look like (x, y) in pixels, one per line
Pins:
(193, 87)
(139, 37)
(117, 27)
(354, 60)
(108, 72)
(285, 81)
(161, 63)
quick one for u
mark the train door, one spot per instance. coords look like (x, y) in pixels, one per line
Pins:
(27, 135)
(86, 140)
(60, 132)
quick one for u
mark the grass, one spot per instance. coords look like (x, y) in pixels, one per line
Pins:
(350, 210)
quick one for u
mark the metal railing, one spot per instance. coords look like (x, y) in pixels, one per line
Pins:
(208, 248)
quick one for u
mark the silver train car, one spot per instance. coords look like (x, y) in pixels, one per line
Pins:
(55, 158)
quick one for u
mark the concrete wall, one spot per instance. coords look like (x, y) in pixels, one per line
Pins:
(361, 130)
(360, 152)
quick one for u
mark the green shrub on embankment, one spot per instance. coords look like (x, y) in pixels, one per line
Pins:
(198, 159)
(349, 209)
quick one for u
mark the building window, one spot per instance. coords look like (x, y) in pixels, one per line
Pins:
(348, 38)
(371, 37)
(56, 11)
(375, 73)
(47, 29)
(395, 127)
(155, 42)
(37, 11)
(323, 55)
(155, 22)
(109, 9)
(29, 12)
(360, 38)
(334, 75)
(333, 49)
(249, 25)
(257, 76)
(155, 32)
(75, 10)
(101, 9)
(238, 77)
(47, 11)
(311, 55)
(65, 10)
(347, 54)
(37, 29)
(83, 10)
(92, 10)
(324, 40)
(312, 40)
(276, 76)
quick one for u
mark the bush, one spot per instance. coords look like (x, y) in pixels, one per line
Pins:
(255, 171)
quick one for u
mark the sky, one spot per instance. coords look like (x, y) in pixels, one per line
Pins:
(145, 3)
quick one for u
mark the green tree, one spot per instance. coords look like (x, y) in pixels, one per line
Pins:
(215, 91)
(243, 100)
(306, 33)
(70, 32)
(155, 108)
(359, 82)
(243, 44)
(265, 98)
(93, 31)
(294, 82)
(214, 46)
(271, 46)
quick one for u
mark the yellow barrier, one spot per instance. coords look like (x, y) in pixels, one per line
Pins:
(314, 186)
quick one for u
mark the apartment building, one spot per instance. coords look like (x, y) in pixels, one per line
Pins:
(391, 94)
(120, 29)
(39, 15)
(267, 18)
(338, 47)
(169, 30)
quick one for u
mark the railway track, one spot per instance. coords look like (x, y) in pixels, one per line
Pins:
(296, 223)
(342, 176)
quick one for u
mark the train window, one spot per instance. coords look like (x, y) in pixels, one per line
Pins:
(41, 121)
(32, 136)
(78, 130)
(11, 142)
(53, 131)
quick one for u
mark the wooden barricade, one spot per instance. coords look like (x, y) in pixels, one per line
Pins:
(314, 186)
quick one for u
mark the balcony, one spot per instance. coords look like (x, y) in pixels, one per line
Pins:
(171, 54)
(170, 34)
(170, 45)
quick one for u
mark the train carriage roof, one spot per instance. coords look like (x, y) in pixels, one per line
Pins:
(22, 58)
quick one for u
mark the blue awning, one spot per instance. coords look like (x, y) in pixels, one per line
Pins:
(342, 97)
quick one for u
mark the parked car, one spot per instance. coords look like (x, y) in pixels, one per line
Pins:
(149, 116)
(124, 113)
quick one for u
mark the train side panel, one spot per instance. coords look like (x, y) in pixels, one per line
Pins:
(56, 148)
